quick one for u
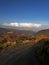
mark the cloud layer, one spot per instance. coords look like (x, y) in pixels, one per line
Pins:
(28, 25)
(25, 26)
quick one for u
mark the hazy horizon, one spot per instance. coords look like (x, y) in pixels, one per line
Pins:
(34, 27)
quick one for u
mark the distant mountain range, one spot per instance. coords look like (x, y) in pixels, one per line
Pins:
(4, 30)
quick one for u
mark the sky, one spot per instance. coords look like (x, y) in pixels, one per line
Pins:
(24, 13)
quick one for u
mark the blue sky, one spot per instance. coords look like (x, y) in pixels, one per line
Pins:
(24, 11)
(34, 11)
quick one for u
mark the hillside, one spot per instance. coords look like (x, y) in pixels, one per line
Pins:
(11, 37)
(25, 47)
(37, 54)
(46, 32)
(42, 34)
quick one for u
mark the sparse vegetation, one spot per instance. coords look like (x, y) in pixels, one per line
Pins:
(9, 38)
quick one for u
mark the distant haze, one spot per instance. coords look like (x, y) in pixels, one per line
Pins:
(25, 26)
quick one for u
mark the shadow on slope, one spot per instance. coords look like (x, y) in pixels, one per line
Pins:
(39, 55)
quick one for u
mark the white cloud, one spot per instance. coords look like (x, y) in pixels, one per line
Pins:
(11, 24)
(29, 25)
